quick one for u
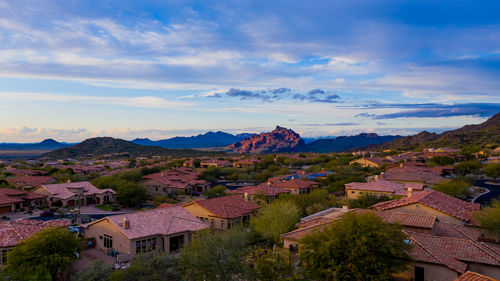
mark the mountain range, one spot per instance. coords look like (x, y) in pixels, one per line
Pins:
(210, 139)
(480, 135)
(48, 144)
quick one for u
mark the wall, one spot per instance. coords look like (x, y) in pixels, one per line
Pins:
(120, 242)
(432, 272)
(421, 209)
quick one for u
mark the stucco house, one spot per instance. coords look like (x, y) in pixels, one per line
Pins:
(374, 162)
(381, 187)
(67, 194)
(298, 186)
(222, 212)
(163, 229)
(12, 200)
(434, 203)
(263, 192)
(14, 232)
(176, 181)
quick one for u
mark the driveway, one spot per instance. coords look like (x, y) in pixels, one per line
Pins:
(486, 198)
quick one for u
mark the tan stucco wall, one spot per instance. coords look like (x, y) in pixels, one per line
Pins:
(354, 194)
(491, 271)
(364, 163)
(120, 242)
(207, 217)
(421, 209)
(432, 272)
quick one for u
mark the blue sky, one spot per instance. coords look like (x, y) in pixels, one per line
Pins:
(70, 70)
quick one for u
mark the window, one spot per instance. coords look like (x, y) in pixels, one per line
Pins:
(419, 273)
(228, 225)
(3, 256)
(145, 246)
(212, 223)
(222, 224)
(108, 241)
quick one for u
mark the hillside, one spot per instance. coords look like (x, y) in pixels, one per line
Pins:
(210, 139)
(108, 145)
(48, 144)
(344, 143)
(481, 135)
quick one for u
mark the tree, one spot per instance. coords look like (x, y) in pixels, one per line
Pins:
(457, 187)
(270, 264)
(367, 200)
(131, 194)
(214, 256)
(355, 248)
(216, 191)
(148, 267)
(441, 161)
(492, 170)
(95, 271)
(46, 253)
(467, 167)
(489, 217)
(275, 219)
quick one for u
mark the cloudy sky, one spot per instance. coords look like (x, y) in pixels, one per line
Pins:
(70, 70)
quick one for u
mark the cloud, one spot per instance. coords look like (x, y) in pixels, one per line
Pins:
(439, 110)
(317, 95)
(340, 124)
(316, 91)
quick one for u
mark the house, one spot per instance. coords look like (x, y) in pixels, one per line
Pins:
(298, 186)
(215, 163)
(14, 232)
(163, 229)
(29, 182)
(374, 162)
(222, 212)
(474, 276)
(67, 194)
(246, 163)
(175, 181)
(13, 200)
(446, 258)
(431, 202)
(381, 187)
(262, 192)
(416, 174)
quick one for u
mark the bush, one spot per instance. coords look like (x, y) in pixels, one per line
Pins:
(216, 191)
(459, 188)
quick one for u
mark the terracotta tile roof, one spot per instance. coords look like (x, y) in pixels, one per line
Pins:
(228, 207)
(473, 276)
(177, 178)
(13, 232)
(414, 174)
(315, 221)
(296, 235)
(163, 221)
(264, 188)
(382, 185)
(67, 190)
(10, 196)
(412, 220)
(454, 230)
(436, 200)
(296, 184)
(22, 181)
(454, 253)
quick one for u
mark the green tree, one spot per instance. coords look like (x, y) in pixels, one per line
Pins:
(467, 167)
(95, 271)
(492, 170)
(367, 200)
(275, 219)
(149, 267)
(441, 161)
(131, 194)
(356, 248)
(457, 187)
(216, 191)
(270, 265)
(47, 253)
(214, 256)
(489, 217)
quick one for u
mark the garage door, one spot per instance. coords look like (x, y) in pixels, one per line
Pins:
(5, 209)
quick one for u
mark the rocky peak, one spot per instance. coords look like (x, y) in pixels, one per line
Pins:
(279, 140)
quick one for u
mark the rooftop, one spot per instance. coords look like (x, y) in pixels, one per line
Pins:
(13, 232)
(228, 207)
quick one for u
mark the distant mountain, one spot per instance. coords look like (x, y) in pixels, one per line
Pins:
(108, 145)
(482, 134)
(210, 139)
(48, 144)
(279, 140)
(344, 143)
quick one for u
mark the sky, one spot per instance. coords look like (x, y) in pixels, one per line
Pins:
(71, 70)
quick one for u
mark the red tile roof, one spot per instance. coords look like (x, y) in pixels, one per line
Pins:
(163, 221)
(414, 174)
(473, 276)
(264, 188)
(455, 230)
(13, 232)
(228, 207)
(11, 196)
(23, 181)
(382, 185)
(436, 200)
(454, 253)
(67, 190)
(296, 184)
(177, 178)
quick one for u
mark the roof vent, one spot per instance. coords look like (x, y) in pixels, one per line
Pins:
(126, 223)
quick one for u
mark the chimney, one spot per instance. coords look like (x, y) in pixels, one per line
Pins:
(126, 223)
(410, 192)
(247, 198)
(345, 208)
(401, 165)
(381, 175)
(376, 178)
(268, 183)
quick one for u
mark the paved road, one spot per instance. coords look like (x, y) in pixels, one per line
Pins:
(486, 198)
